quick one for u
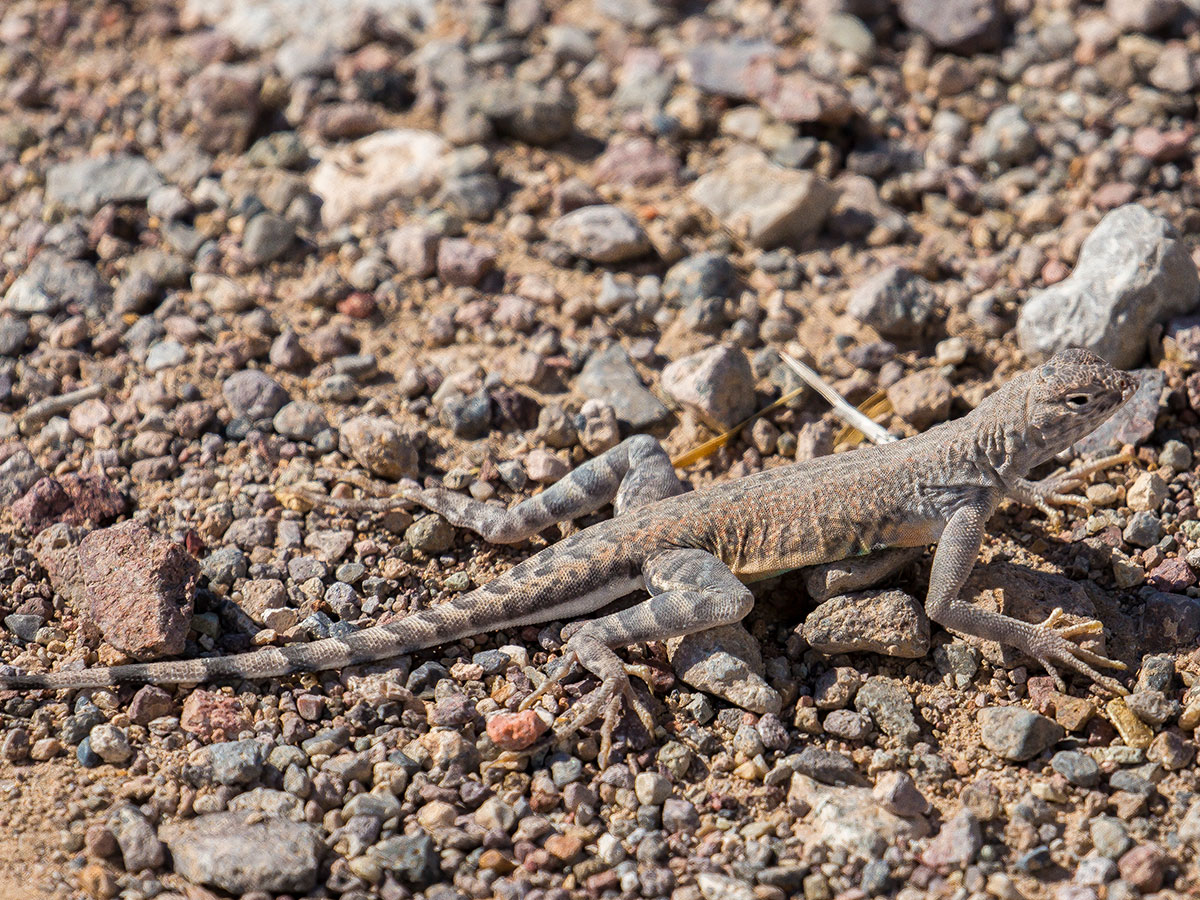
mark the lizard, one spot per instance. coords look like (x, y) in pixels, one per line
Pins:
(855, 517)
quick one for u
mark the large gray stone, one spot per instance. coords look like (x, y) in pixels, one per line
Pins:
(609, 375)
(88, 184)
(237, 854)
(764, 204)
(1133, 271)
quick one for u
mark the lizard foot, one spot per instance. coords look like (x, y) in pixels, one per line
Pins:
(605, 700)
(1055, 491)
(1049, 643)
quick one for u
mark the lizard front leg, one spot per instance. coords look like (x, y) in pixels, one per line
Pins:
(1048, 492)
(692, 591)
(1046, 642)
(634, 472)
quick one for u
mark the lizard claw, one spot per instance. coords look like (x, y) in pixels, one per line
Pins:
(1049, 644)
(604, 701)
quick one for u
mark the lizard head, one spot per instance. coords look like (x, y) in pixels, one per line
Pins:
(1069, 396)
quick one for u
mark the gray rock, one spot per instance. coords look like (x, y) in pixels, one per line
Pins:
(764, 204)
(401, 163)
(699, 277)
(414, 858)
(826, 766)
(1109, 836)
(536, 114)
(1017, 734)
(1077, 767)
(849, 818)
(88, 184)
(603, 234)
(300, 420)
(715, 384)
(722, 67)
(110, 743)
(962, 25)
(267, 237)
(430, 534)
(609, 375)
(52, 282)
(1144, 529)
(1007, 138)
(896, 302)
(140, 846)
(725, 661)
(890, 706)
(1133, 271)
(381, 446)
(165, 355)
(890, 622)
(1142, 15)
(14, 333)
(18, 472)
(235, 762)
(254, 395)
(236, 853)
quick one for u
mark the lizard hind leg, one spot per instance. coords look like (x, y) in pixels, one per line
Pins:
(691, 591)
(635, 472)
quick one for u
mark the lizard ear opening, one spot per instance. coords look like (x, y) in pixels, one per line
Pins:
(1077, 401)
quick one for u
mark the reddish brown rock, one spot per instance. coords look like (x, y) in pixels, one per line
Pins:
(213, 717)
(515, 731)
(74, 499)
(140, 587)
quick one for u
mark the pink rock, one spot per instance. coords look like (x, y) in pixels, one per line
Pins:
(515, 731)
(637, 162)
(1144, 867)
(140, 587)
(1161, 146)
(213, 717)
(413, 250)
(1173, 575)
(462, 263)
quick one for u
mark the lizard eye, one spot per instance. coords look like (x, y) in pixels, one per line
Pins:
(1077, 401)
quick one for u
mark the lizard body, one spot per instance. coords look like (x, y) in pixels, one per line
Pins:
(694, 551)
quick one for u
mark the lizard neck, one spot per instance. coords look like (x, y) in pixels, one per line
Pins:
(1004, 447)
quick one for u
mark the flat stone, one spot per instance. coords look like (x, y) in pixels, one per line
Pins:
(847, 818)
(962, 25)
(890, 622)
(401, 163)
(234, 852)
(609, 375)
(88, 184)
(602, 233)
(764, 204)
(1134, 271)
(141, 589)
(1017, 734)
(725, 661)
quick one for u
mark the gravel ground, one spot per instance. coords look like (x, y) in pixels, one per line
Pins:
(248, 244)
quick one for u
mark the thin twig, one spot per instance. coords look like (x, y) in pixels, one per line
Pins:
(873, 432)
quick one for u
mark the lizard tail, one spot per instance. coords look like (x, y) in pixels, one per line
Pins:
(405, 635)
(571, 578)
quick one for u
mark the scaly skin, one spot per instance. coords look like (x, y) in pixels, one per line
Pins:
(694, 552)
